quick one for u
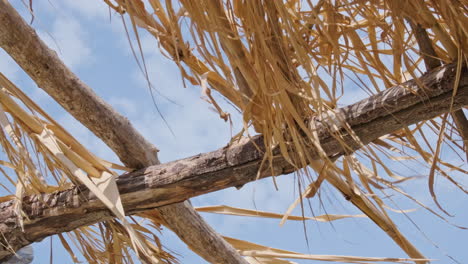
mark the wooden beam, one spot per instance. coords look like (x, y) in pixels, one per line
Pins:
(233, 165)
(431, 61)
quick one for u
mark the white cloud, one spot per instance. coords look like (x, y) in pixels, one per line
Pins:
(68, 38)
(88, 8)
(8, 66)
(124, 105)
(197, 128)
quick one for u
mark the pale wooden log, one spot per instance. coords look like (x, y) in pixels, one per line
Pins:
(42, 64)
(234, 165)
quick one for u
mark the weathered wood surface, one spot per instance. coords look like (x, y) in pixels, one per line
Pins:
(234, 165)
(42, 64)
(431, 61)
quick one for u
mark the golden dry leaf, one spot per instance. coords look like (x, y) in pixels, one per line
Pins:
(228, 210)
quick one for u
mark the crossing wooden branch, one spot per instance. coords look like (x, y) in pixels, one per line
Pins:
(431, 61)
(233, 165)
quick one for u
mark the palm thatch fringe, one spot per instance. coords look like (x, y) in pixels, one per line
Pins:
(285, 65)
(237, 164)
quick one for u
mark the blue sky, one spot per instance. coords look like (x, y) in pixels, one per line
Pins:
(97, 50)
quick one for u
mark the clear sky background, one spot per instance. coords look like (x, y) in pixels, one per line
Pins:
(94, 45)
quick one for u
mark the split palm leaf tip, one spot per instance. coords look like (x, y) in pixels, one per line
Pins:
(46, 159)
(282, 64)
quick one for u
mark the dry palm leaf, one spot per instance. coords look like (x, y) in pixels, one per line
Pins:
(228, 210)
(27, 129)
(262, 254)
(284, 63)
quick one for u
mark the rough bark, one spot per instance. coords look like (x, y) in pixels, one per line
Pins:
(431, 61)
(42, 64)
(234, 165)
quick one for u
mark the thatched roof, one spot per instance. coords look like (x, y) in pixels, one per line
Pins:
(285, 65)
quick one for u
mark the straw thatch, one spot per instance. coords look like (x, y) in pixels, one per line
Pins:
(285, 65)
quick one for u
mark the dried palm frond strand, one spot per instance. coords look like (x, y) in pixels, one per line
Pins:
(274, 56)
(71, 161)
